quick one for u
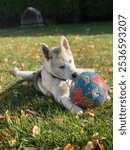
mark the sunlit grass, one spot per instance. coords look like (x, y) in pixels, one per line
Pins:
(91, 45)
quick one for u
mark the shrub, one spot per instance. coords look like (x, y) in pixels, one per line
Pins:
(56, 10)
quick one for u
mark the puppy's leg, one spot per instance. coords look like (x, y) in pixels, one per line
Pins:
(66, 102)
(24, 74)
(40, 87)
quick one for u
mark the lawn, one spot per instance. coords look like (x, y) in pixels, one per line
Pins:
(22, 108)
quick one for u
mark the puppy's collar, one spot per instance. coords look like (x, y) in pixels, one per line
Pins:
(57, 77)
(54, 75)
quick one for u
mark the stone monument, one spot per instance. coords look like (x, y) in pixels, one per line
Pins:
(31, 17)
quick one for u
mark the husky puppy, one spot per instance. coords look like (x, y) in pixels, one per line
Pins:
(56, 74)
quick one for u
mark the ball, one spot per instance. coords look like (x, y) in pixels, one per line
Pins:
(88, 89)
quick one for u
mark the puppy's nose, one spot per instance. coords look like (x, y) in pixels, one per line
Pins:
(74, 75)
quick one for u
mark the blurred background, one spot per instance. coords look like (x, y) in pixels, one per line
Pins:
(56, 11)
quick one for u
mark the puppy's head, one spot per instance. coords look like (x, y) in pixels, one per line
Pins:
(60, 61)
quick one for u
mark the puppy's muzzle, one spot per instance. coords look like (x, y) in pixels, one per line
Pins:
(74, 75)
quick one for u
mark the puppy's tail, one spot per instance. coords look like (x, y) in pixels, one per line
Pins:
(27, 75)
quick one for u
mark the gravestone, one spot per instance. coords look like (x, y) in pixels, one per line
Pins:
(31, 17)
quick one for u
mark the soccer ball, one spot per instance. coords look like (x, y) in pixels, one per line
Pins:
(88, 90)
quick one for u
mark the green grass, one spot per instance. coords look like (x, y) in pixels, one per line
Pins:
(92, 47)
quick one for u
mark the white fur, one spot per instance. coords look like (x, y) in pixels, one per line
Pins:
(47, 84)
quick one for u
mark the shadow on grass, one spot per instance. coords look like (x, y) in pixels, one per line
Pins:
(19, 96)
(65, 29)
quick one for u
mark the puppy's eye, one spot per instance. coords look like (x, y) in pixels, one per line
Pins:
(62, 67)
(70, 61)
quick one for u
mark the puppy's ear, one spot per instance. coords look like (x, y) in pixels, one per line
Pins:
(64, 43)
(45, 51)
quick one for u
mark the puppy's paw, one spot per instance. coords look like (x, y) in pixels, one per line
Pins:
(77, 110)
(15, 71)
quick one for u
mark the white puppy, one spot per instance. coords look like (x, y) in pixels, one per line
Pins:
(55, 75)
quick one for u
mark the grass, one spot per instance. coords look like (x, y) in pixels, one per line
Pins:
(92, 47)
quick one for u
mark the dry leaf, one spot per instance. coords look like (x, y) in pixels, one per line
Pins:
(97, 144)
(2, 117)
(103, 138)
(110, 70)
(0, 87)
(22, 66)
(29, 148)
(110, 91)
(0, 142)
(1, 68)
(91, 112)
(93, 145)
(36, 130)
(7, 117)
(100, 146)
(36, 57)
(1, 79)
(14, 62)
(58, 121)
(68, 147)
(89, 146)
(23, 115)
(95, 134)
(17, 119)
(5, 60)
(25, 83)
(15, 92)
(4, 133)
(30, 111)
(12, 142)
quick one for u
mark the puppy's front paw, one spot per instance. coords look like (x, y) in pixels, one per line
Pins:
(15, 71)
(77, 110)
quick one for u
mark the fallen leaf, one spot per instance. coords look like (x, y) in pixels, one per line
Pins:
(5, 60)
(1, 79)
(97, 144)
(93, 145)
(110, 91)
(25, 83)
(89, 146)
(30, 111)
(7, 117)
(91, 112)
(17, 119)
(14, 62)
(23, 115)
(12, 142)
(68, 147)
(22, 66)
(103, 138)
(77, 116)
(36, 57)
(36, 130)
(58, 121)
(1, 68)
(2, 117)
(0, 87)
(15, 92)
(95, 134)
(110, 70)
(0, 142)
(4, 133)
(29, 148)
